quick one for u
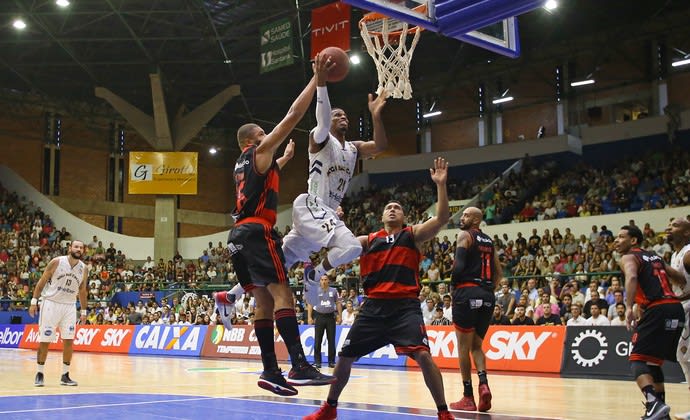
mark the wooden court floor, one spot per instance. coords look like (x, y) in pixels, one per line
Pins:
(514, 396)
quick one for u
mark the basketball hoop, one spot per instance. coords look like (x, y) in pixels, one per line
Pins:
(386, 39)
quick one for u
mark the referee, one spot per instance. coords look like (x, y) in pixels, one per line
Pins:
(324, 315)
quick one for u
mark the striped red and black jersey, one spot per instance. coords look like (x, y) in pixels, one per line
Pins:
(479, 262)
(653, 285)
(390, 265)
(256, 193)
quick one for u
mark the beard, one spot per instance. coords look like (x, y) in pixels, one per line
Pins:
(75, 255)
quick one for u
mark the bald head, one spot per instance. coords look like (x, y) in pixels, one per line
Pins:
(678, 232)
(471, 218)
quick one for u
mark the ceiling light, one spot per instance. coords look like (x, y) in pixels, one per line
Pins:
(19, 24)
(62, 3)
(431, 114)
(502, 100)
(354, 59)
(550, 5)
(213, 150)
(582, 82)
(681, 62)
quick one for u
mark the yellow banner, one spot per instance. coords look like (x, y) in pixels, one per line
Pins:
(163, 172)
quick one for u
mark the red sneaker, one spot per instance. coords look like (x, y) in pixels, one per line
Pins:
(465, 404)
(484, 398)
(445, 415)
(325, 412)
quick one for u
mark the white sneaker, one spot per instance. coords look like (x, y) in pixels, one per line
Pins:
(225, 305)
(682, 416)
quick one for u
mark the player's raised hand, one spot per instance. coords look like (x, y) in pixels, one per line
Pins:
(376, 105)
(289, 150)
(321, 66)
(439, 173)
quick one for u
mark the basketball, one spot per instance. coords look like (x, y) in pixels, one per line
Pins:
(342, 63)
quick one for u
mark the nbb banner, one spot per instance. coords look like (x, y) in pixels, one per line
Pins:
(163, 172)
(603, 352)
(173, 340)
(96, 338)
(11, 335)
(238, 343)
(519, 348)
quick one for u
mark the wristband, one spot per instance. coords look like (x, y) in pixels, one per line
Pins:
(83, 312)
(34, 301)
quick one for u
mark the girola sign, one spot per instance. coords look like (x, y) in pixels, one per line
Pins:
(11, 335)
(179, 340)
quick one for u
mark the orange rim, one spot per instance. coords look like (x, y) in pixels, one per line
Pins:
(373, 16)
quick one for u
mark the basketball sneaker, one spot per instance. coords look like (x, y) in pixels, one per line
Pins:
(66, 381)
(484, 398)
(225, 304)
(465, 404)
(682, 416)
(274, 381)
(306, 374)
(655, 410)
(38, 381)
(445, 415)
(325, 412)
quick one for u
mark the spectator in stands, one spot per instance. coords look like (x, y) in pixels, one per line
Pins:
(428, 311)
(577, 318)
(597, 318)
(595, 301)
(498, 318)
(618, 298)
(520, 317)
(506, 298)
(565, 306)
(619, 318)
(548, 318)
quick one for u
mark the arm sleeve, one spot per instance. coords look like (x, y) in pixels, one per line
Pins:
(323, 115)
(459, 266)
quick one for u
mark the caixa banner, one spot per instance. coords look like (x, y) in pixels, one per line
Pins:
(603, 352)
(11, 336)
(172, 340)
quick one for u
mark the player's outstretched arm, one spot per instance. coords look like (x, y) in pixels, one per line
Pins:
(380, 143)
(323, 113)
(427, 230)
(270, 143)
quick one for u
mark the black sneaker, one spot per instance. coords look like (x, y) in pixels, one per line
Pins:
(273, 380)
(38, 381)
(306, 374)
(655, 410)
(66, 381)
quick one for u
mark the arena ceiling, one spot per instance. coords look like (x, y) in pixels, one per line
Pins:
(202, 46)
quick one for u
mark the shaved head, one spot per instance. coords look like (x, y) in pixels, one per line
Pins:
(471, 218)
(678, 232)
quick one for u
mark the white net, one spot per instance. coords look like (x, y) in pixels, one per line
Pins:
(391, 53)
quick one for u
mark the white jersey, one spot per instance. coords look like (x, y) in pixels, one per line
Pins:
(330, 171)
(63, 286)
(677, 264)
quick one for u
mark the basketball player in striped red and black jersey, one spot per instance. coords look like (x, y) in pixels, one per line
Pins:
(476, 270)
(390, 314)
(255, 247)
(656, 333)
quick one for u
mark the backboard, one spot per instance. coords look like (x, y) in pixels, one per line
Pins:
(489, 24)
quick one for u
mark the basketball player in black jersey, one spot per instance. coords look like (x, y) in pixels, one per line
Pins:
(255, 247)
(475, 272)
(656, 334)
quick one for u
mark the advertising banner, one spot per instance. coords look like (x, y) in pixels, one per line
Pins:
(518, 348)
(276, 45)
(169, 340)
(238, 343)
(330, 27)
(603, 352)
(11, 335)
(96, 338)
(163, 172)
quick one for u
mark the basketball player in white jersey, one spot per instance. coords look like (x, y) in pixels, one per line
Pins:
(679, 235)
(316, 223)
(64, 279)
(316, 215)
